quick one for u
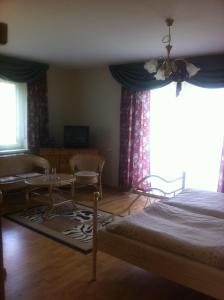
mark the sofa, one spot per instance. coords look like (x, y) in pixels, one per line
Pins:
(14, 169)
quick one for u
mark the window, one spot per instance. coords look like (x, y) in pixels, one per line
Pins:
(13, 116)
(187, 134)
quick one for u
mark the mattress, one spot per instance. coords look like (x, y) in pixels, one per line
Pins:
(199, 201)
(178, 230)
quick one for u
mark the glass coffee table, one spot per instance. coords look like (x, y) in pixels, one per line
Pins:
(46, 189)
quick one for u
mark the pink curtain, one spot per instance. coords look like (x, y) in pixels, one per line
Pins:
(134, 137)
(221, 174)
(38, 131)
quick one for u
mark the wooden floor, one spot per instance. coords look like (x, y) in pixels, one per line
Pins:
(40, 268)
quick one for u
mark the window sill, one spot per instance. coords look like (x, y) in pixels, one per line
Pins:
(14, 151)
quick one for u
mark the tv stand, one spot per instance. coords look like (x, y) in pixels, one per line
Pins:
(59, 157)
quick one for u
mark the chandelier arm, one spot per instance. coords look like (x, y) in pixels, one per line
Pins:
(168, 68)
(169, 46)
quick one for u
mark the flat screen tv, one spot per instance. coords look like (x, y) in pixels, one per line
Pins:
(76, 136)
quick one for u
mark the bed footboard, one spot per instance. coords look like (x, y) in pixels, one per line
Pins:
(195, 275)
(188, 272)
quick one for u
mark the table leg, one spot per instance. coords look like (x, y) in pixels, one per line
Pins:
(27, 199)
(50, 204)
(73, 194)
(73, 189)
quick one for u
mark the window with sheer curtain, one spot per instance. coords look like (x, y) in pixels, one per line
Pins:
(13, 116)
(187, 134)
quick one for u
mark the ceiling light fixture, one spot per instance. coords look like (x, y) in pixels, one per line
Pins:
(168, 68)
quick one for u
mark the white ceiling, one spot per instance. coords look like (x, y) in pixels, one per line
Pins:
(80, 33)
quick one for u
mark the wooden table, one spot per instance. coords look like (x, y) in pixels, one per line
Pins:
(46, 189)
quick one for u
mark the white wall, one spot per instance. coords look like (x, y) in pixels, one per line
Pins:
(98, 104)
(61, 96)
(87, 97)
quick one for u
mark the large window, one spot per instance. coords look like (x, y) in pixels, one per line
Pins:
(187, 134)
(13, 116)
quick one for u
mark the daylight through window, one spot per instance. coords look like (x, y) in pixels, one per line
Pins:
(187, 134)
(13, 115)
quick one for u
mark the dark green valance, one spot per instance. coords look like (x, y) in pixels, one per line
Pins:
(211, 74)
(134, 77)
(20, 70)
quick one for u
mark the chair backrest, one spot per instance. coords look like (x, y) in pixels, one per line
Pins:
(39, 162)
(87, 162)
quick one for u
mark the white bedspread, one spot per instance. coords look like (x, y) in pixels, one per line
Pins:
(194, 235)
(205, 202)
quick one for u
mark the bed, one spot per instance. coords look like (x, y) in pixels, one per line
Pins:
(180, 238)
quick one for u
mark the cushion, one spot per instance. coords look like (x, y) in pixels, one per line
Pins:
(28, 175)
(9, 179)
(86, 173)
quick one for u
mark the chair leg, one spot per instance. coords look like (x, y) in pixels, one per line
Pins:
(100, 190)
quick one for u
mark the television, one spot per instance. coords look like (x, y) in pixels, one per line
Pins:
(76, 136)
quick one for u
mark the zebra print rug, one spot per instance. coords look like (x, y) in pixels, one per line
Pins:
(66, 224)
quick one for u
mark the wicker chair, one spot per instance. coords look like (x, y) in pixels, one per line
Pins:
(87, 170)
